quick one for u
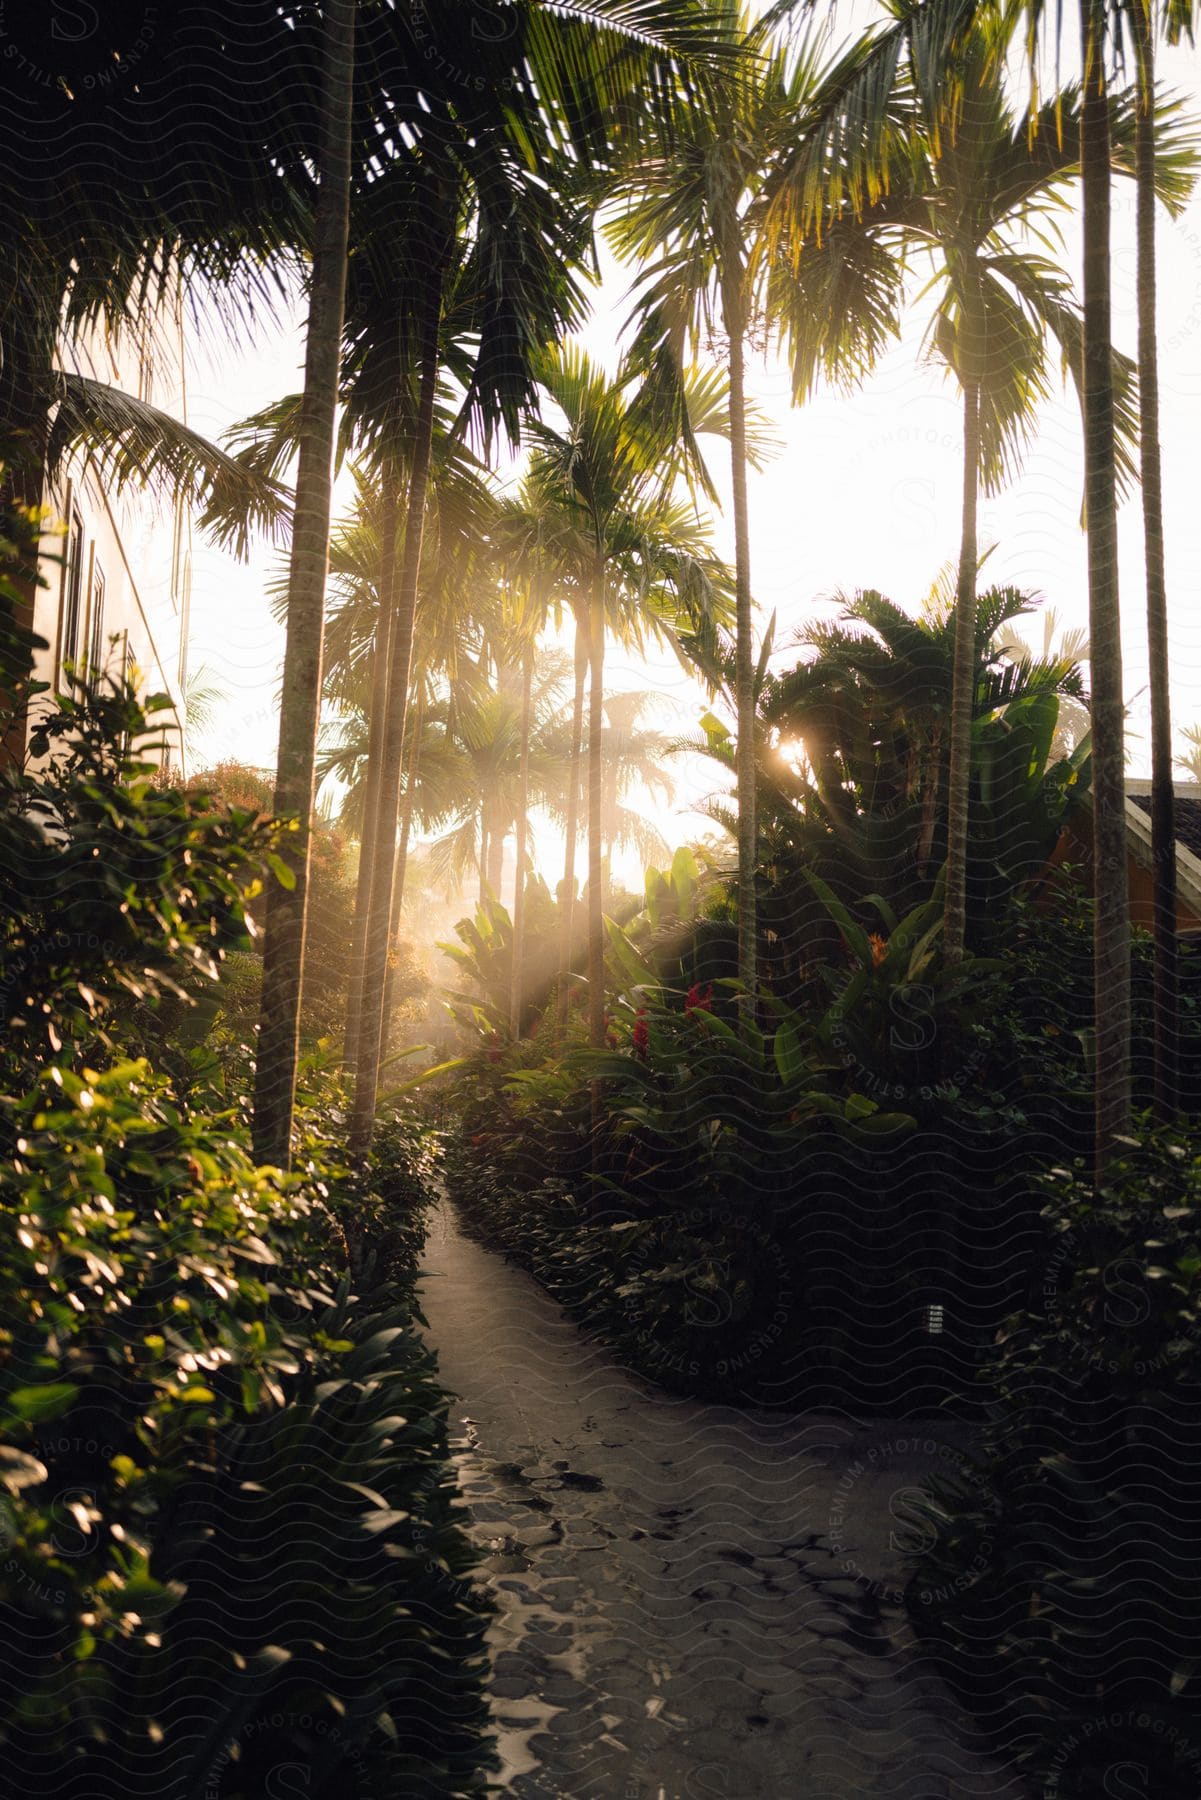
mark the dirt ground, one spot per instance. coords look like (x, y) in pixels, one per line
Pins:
(696, 1602)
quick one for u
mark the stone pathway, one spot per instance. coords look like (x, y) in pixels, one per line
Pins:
(696, 1603)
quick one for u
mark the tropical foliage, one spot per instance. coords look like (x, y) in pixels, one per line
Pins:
(212, 1388)
(842, 1108)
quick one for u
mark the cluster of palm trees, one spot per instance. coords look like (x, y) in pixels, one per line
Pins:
(491, 739)
(439, 173)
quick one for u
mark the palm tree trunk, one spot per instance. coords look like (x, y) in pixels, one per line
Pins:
(523, 825)
(1111, 939)
(963, 686)
(567, 920)
(375, 958)
(734, 309)
(496, 853)
(482, 898)
(300, 706)
(412, 764)
(596, 724)
(930, 791)
(389, 523)
(1163, 823)
(398, 894)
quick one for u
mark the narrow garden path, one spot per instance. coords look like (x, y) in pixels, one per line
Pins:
(695, 1603)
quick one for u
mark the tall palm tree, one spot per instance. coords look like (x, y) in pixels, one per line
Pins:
(696, 219)
(852, 145)
(500, 163)
(1176, 18)
(987, 182)
(453, 612)
(660, 551)
(996, 177)
(377, 422)
(612, 463)
(633, 752)
(482, 765)
(1163, 824)
(531, 564)
(116, 186)
(544, 559)
(124, 186)
(1111, 930)
(684, 214)
(283, 938)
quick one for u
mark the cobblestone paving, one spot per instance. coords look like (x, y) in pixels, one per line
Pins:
(696, 1603)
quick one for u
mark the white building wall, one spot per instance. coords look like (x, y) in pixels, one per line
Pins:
(123, 570)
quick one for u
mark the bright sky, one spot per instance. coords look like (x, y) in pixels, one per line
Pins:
(864, 493)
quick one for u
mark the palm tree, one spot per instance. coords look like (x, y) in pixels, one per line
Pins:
(544, 558)
(696, 218)
(283, 940)
(982, 186)
(378, 422)
(489, 761)
(124, 188)
(1111, 931)
(487, 775)
(105, 210)
(499, 171)
(855, 144)
(612, 465)
(1000, 173)
(1163, 827)
(687, 211)
(659, 552)
(521, 619)
(453, 610)
(633, 753)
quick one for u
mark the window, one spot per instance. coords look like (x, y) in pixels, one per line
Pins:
(96, 647)
(73, 599)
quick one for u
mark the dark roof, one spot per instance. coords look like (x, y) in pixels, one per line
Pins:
(1188, 820)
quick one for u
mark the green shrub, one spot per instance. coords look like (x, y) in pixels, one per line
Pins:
(1063, 1589)
(231, 1562)
(229, 1500)
(118, 897)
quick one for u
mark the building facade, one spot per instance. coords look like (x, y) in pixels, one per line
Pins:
(118, 571)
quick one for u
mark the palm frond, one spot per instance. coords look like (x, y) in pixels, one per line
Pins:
(132, 443)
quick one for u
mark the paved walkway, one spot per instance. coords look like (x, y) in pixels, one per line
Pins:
(696, 1603)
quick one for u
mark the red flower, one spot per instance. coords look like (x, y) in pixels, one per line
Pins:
(642, 1038)
(699, 999)
(494, 1047)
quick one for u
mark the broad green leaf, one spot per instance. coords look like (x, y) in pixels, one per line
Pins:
(856, 937)
(33, 1404)
(442, 1068)
(633, 965)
